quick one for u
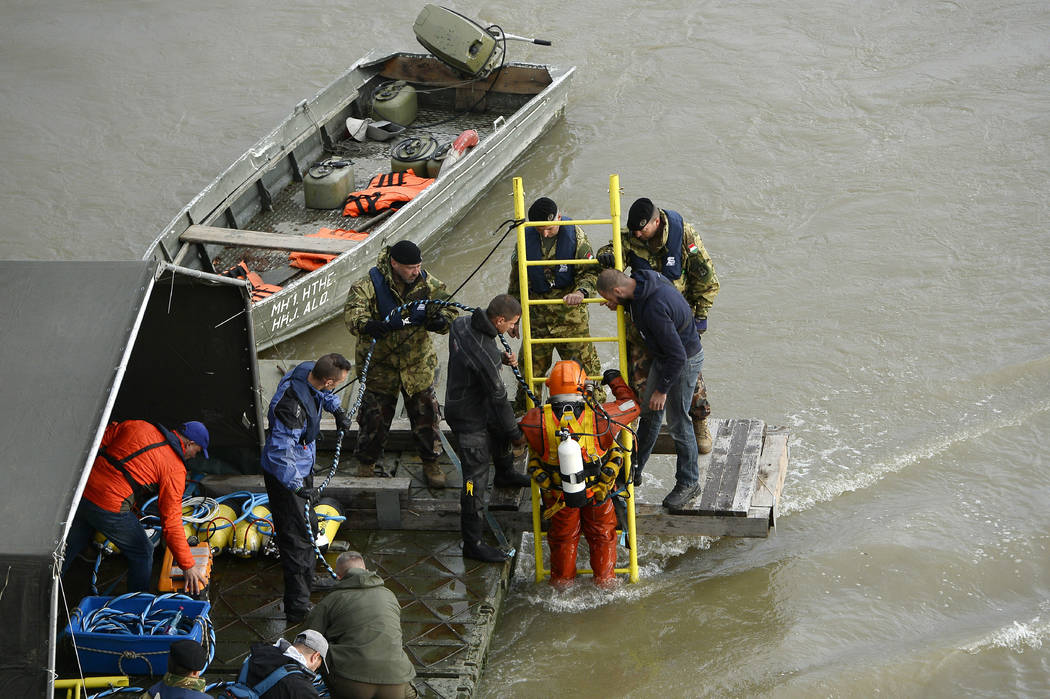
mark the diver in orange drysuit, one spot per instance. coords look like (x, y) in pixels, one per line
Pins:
(602, 458)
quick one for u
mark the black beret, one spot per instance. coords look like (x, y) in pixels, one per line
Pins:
(406, 252)
(188, 654)
(640, 213)
(543, 209)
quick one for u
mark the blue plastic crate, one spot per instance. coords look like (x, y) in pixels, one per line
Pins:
(132, 654)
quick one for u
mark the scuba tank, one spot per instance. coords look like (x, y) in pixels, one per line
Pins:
(570, 463)
(104, 545)
(217, 531)
(396, 101)
(329, 517)
(413, 153)
(248, 540)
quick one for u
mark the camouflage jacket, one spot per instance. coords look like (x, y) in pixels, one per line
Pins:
(698, 283)
(404, 358)
(196, 684)
(561, 320)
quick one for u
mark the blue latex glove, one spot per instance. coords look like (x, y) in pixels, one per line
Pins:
(418, 314)
(700, 324)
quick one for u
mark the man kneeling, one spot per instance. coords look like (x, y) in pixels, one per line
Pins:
(362, 620)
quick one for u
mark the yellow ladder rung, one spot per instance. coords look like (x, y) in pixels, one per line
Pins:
(559, 340)
(573, 222)
(559, 302)
(552, 263)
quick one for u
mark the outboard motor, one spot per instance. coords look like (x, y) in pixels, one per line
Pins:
(463, 44)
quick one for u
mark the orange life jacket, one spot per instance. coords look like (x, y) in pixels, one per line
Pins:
(257, 287)
(312, 260)
(387, 191)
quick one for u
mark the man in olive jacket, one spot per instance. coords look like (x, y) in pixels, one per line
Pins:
(362, 621)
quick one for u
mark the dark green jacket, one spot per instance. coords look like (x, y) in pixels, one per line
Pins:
(362, 621)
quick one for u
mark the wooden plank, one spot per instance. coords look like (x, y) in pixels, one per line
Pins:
(772, 468)
(234, 237)
(723, 456)
(339, 488)
(747, 479)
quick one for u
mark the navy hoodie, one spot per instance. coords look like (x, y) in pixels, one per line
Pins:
(665, 320)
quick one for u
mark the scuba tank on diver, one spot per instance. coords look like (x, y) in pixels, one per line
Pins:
(570, 463)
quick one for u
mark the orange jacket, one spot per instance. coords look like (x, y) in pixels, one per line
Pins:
(388, 191)
(259, 289)
(623, 409)
(160, 465)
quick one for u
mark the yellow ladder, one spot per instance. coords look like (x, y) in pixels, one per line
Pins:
(527, 341)
(74, 687)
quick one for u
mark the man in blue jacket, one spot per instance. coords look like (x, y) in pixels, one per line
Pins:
(288, 462)
(665, 321)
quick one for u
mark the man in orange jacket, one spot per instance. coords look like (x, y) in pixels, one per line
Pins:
(595, 432)
(136, 460)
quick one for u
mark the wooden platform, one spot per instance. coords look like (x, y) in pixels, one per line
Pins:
(742, 479)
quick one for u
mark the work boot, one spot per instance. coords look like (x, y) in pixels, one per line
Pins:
(296, 616)
(703, 435)
(680, 495)
(480, 551)
(510, 479)
(366, 470)
(435, 476)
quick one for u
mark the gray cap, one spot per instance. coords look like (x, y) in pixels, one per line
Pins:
(313, 639)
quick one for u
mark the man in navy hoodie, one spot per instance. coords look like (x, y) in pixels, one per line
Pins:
(665, 321)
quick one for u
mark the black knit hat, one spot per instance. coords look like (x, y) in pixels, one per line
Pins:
(188, 655)
(640, 213)
(406, 252)
(543, 209)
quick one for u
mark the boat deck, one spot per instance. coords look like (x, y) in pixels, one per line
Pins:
(288, 214)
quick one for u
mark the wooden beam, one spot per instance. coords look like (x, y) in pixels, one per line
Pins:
(772, 467)
(271, 241)
(340, 488)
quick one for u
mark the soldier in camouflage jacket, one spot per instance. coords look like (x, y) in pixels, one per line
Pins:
(404, 359)
(658, 239)
(568, 283)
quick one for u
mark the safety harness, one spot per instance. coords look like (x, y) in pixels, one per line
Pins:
(600, 466)
(140, 492)
(565, 249)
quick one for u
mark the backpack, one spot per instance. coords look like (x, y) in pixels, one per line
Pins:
(242, 690)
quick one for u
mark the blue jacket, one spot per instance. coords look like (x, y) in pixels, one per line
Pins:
(665, 320)
(295, 422)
